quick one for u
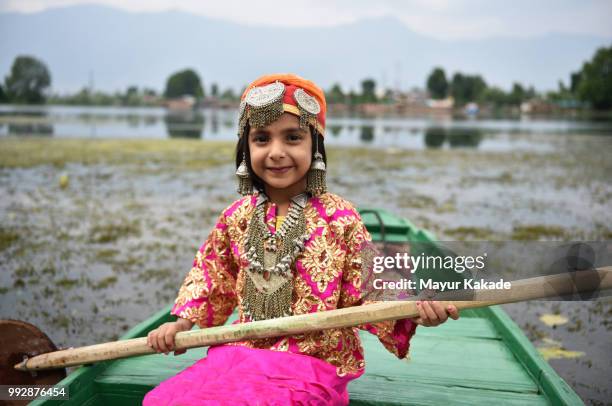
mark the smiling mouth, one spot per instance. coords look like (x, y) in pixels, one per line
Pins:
(281, 169)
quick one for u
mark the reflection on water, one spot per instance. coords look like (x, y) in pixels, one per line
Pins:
(367, 134)
(30, 129)
(185, 124)
(400, 132)
(435, 137)
(334, 130)
(464, 137)
(31, 123)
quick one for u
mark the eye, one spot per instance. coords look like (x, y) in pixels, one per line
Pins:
(260, 138)
(294, 137)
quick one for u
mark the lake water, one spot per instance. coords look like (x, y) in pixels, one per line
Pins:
(404, 132)
(86, 261)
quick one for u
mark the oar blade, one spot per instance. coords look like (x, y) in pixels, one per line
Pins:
(19, 339)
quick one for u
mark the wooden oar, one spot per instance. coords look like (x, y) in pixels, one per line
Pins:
(526, 289)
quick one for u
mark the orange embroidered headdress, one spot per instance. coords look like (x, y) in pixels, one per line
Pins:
(269, 96)
(265, 100)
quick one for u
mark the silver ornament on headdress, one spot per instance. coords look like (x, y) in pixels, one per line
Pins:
(242, 119)
(264, 104)
(308, 106)
(241, 108)
(263, 96)
(307, 102)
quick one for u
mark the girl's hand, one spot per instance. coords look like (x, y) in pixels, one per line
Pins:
(162, 338)
(432, 313)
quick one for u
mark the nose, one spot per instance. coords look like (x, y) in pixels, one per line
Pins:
(277, 150)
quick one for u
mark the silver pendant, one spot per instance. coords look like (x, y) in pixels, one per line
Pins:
(307, 102)
(318, 162)
(243, 170)
(241, 109)
(265, 95)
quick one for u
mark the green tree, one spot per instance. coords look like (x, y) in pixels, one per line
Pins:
(368, 91)
(214, 90)
(185, 82)
(467, 88)
(131, 91)
(495, 96)
(437, 84)
(228, 94)
(574, 81)
(457, 88)
(3, 98)
(28, 81)
(595, 84)
(518, 94)
(353, 98)
(149, 92)
(131, 97)
(335, 94)
(530, 93)
(388, 96)
(562, 95)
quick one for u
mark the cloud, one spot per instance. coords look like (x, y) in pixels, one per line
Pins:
(442, 19)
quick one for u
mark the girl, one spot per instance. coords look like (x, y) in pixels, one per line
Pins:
(288, 247)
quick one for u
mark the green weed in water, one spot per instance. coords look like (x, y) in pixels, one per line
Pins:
(105, 283)
(106, 255)
(416, 201)
(158, 274)
(24, 271)
(7, 237)
(473, 233)
(66, 283)
(61, 321)
(146, 154)
(537, 232)
(105, 233)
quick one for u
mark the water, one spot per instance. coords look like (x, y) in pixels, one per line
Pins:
(86, 262)
(220, 124)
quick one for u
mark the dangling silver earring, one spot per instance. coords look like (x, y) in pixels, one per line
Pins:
(245, 185)
(316, 183)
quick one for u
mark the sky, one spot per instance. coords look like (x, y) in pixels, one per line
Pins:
(445, 20)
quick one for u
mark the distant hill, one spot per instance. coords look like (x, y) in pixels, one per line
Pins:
(123, 48)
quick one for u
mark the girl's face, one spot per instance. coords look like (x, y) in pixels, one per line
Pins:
(281, 154)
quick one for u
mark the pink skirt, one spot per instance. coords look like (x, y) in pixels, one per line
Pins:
(236, 375)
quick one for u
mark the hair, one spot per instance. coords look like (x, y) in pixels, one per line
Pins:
(242, 149)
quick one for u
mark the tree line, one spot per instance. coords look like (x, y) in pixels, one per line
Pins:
(465, 89)
(29, 82)
(591, 85)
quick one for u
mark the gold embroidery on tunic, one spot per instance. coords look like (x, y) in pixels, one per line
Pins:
(333, 256)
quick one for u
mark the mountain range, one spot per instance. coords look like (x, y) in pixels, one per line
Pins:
(112, 49)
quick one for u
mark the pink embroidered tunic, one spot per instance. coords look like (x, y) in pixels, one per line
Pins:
(327, 275)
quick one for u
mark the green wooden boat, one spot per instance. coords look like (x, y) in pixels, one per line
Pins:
(480, 359)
